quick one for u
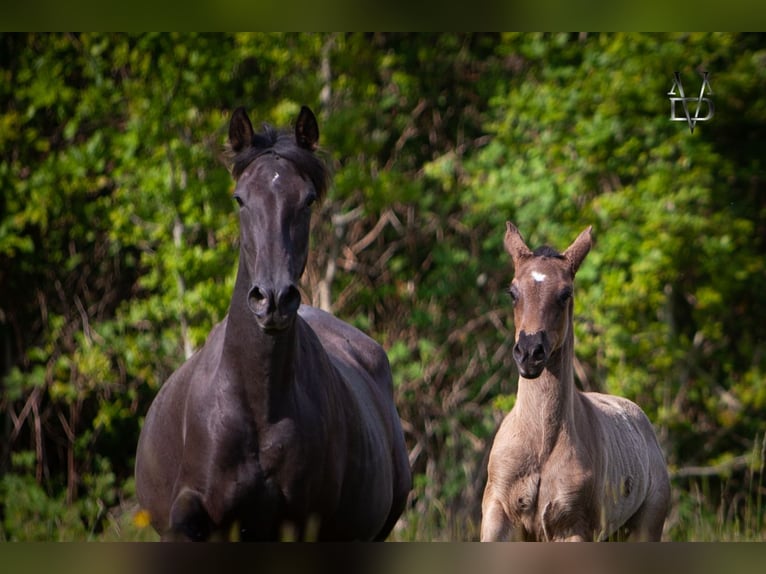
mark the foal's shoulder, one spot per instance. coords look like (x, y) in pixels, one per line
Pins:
(616, 407)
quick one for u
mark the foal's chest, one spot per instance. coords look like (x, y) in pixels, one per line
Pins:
(551, 498)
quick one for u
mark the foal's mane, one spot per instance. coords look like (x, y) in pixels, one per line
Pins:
(280, 143)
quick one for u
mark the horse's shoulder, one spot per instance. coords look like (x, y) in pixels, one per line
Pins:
(344, 341)
(325, 323)
(214, 342)
(198, 368)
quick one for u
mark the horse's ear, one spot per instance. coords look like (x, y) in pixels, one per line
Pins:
(514, 244)
(306, 129)
(240, 130)
(576, 252)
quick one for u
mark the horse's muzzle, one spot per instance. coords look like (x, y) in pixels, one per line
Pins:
(274, 309)
(531, 353)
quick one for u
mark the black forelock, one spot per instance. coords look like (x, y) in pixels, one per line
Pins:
(282, 144)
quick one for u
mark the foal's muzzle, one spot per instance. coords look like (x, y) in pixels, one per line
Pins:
(274, 309)
(531, 353)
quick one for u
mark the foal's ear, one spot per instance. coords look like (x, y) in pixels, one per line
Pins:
(240, 130)
(514, 244)
(576, 252)
(306, 129)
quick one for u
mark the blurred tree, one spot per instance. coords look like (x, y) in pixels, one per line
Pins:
(118, 239)
(668, 301)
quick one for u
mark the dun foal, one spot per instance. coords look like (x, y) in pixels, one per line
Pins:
(283, 423)
(566, 465)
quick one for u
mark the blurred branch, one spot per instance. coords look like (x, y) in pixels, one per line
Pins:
(723, 468)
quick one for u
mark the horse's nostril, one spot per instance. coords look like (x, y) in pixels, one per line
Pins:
(264, 301)
(289, 299)
(260, 300)
(256, 294)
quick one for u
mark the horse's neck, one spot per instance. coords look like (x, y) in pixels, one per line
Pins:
(547, 403)
(262, 366)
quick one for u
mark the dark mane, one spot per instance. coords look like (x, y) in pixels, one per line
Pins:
(283, 144)
(547, 251)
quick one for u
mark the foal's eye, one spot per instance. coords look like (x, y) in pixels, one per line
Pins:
(514, 293)
(239, 201)
(565, 294)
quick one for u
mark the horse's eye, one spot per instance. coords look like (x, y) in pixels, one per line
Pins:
(311, 199)
(239, 201)
(565, 294)
(514, 293)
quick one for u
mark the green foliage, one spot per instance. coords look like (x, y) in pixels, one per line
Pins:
(576, 146)
(118, 244)
(31, 515)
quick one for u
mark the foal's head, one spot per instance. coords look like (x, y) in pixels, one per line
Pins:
(278, 180)
(542, 291)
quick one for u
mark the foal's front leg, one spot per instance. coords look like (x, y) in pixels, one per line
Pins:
(497, 526)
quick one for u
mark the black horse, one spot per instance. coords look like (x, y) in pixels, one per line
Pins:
(283, 424)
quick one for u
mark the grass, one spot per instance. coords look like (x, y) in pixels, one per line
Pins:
(696, 516)
(722, 508)
(715, 508)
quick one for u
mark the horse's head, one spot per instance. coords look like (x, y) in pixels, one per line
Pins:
(278, 179)
(541, 290)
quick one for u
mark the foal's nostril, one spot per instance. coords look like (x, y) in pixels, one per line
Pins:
(529, 348)
(530, 354)
(538, 353)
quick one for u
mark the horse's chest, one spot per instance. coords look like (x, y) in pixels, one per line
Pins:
(264, 479)
(282, 451)
(257, 462)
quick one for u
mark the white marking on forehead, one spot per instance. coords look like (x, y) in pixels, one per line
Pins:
(275, 178)
(538, 277)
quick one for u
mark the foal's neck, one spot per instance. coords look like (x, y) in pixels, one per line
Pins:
(547, 402)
